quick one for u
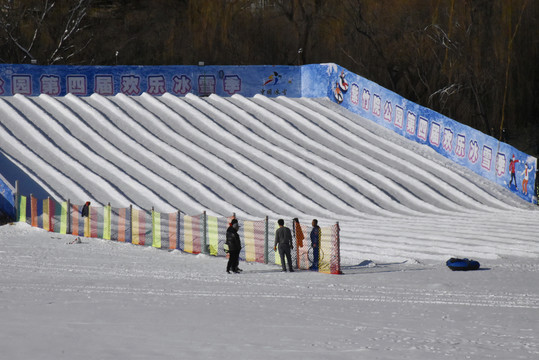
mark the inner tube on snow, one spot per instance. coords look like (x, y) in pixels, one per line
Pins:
(462, 264)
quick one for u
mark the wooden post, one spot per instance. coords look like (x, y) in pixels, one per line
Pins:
(205, 246)
(16, 200)
(68, 231)
(266, 240)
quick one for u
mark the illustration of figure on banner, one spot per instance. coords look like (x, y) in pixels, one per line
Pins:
(341, 87)
(274, 77)
(526, 177)
(338, 93)
(512, 170)
(342, 82)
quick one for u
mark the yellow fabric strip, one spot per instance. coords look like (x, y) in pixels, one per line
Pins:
(156, 229)
(213, 235)
(249, 239)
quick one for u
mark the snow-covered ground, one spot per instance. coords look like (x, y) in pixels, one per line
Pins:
(105, 300)
(403, 211)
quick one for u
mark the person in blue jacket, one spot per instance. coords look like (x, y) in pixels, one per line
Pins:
(315, 244)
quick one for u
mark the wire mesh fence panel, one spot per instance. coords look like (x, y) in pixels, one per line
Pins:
(77, 221)
(96, 215)
(165, 230)
(254, 240)
(303, 246)
(119, 224)
(329, 261)
(141, 227)
(191, 233)
(216, 233)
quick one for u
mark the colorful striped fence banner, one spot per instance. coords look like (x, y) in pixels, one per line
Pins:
(63, 217)
(48, 212)
(141, 230)
(192, 234)
(107, 223)
(303, 251)
(164, 230)
(123, 225)
(173, 231)
(249, 240)
(94, 218)
(137, 239)
(33, 211)
(76, 221)
(255, 240)
(212, 230)
(329, 261)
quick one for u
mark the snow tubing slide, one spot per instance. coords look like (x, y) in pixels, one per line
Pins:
(462, 264)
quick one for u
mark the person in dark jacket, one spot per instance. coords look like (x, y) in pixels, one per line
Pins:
(234, 247)
(85, 209)
(283, 238)
(315, 243)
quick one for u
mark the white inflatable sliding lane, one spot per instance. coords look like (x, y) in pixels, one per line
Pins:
(395, 200)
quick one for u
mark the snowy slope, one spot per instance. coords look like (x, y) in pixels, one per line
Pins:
(107, 300)
(394, 199)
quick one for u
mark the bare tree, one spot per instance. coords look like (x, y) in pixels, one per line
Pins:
(44, 31)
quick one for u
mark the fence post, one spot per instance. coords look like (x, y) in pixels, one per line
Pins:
(266, 241)
(178, 235)
(32, 211)
(107, 222)
(338, 250)
(50, 225)
(68, 230)
(17, 201)
(131, 223)
(205, 247)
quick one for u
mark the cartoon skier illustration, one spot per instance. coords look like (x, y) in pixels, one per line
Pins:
(338, 93)
(526, 177)
(512, 163)
(342, 82)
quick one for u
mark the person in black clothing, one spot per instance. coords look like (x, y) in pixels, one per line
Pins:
(283, 238)
(85, 209)
(234, 247)
(315, 243)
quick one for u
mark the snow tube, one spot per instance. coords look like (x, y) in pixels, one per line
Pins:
(462, 264)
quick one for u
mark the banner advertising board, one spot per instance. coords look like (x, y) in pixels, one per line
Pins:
(497, 161)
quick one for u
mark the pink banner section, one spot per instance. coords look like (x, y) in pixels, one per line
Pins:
(193, 234)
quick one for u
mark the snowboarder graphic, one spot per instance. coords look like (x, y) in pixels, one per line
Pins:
(526, 177)
(512, 163)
